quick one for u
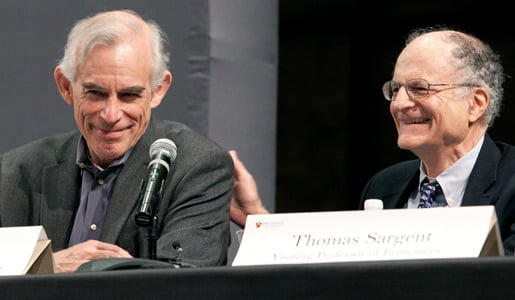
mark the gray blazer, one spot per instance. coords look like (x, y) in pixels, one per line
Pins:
(40, 185)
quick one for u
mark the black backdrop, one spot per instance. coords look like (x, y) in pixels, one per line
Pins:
(334, 127)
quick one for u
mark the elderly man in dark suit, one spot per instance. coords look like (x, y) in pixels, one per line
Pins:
(445, 93)
(83, 186)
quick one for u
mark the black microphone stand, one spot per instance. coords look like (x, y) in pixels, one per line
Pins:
(151, 239)
(162, 153)
(150, 222)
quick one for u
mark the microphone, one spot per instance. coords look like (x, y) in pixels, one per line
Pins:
(162, 153)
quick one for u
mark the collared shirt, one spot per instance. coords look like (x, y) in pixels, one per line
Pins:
(453, 180)
(96, 187)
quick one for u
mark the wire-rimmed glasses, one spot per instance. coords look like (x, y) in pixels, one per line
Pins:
(416, 88)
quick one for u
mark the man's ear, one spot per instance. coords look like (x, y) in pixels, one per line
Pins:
(478, 104)
(63, 85)
(159, 93)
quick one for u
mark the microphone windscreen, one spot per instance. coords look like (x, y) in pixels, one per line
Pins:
(164, 145)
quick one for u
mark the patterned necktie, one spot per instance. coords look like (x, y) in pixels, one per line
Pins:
(428, 190)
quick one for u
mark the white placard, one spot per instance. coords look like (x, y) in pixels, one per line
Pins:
(318, 237)
(25, 249)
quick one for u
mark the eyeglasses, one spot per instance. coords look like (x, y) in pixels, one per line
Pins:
(417, 88)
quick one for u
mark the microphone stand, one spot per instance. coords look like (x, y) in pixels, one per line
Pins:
(151, 239)
(162, 153)
(152, 234)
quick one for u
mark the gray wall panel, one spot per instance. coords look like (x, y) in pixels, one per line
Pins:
(243, 89)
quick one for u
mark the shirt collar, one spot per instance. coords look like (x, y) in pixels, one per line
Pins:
(454, 179)
(83, 159)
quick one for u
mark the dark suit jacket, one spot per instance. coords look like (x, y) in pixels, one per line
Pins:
(492, 182)
(40, 185)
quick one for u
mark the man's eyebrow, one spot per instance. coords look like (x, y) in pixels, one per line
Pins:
(91, 85)
(133, 89)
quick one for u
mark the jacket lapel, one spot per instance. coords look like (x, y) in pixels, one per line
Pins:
(402, 189)
(60, 197)
(483, 175)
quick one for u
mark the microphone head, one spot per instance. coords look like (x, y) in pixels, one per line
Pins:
(165, 146)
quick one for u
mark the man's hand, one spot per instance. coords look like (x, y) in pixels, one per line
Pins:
(245, 198)
(69, 260)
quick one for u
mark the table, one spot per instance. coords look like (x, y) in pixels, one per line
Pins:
(470, 278)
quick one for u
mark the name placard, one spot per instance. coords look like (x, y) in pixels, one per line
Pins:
(25, 250)
(339, 236)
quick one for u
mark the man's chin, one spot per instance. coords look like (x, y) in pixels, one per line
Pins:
(408, 143)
